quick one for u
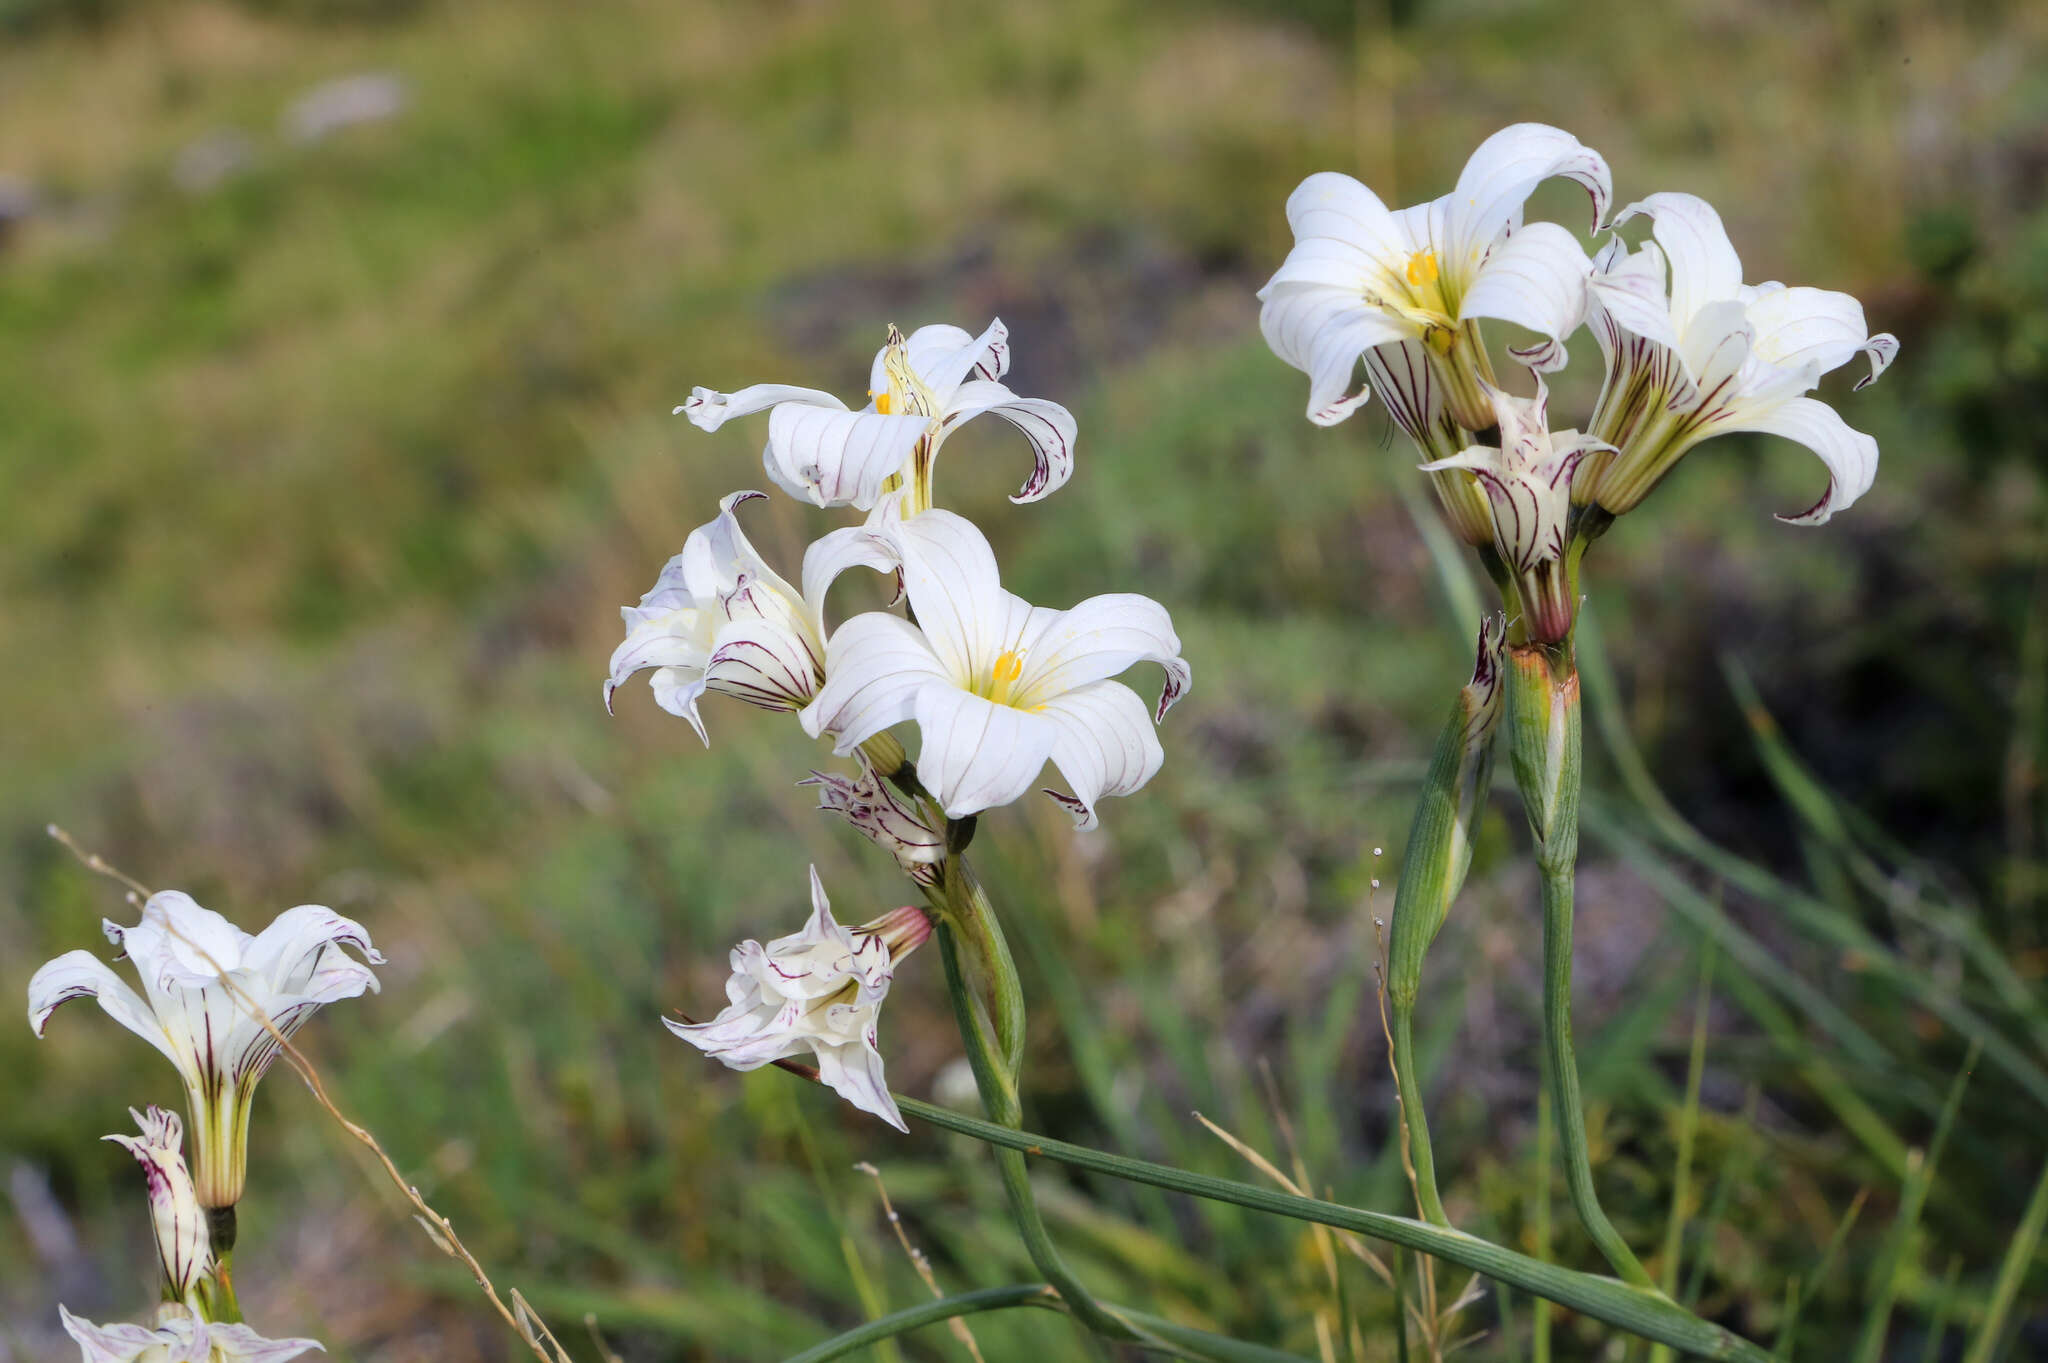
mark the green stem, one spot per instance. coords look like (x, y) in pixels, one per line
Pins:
(1646, 1313)
(999, 1097)
(1564, 1079)
(1414, 1121)
(911, 1318)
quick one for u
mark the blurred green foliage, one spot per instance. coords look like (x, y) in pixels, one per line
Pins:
(324, 474)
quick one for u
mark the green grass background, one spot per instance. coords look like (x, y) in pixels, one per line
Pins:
(320, 489)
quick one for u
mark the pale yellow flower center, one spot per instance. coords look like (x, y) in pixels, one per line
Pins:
(1003, 676)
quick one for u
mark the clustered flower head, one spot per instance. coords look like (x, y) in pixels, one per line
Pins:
(213, 1000)
(1690, 350)
(996, 687)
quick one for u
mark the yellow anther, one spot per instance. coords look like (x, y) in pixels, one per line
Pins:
(1003, 676)
(881, 401)
(1422, 268)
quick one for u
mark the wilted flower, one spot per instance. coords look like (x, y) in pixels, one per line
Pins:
(921, 388)
(720, 619)
(183, 1246)
(819, 990)
(998, 686)
(885, 817)
(1714, 354)
(180, 1339)
(192, 963)
(1362, 277)
(1528, 483)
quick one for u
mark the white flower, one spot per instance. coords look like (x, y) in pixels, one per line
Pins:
(180, 1339)
(187, 957)
(720, 619)
(872, 805)
(1713, 355)
(997, 686)
(1362, 277)
(1528, 483)
(819, 990)
(183, 1246)
(921, 389)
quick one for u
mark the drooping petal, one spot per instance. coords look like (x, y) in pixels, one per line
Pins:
(874, 667)
(1323, 331)
(81, 975)
(708, 409)
(976, 754)
(1414, 394)
(718, 559)
(854, 1072)
(1105, 745)
(1820, 329)
(1102, 637)
(1850, 455)
(1535, 279)
(1049, 427)
(306, 939)
(665, 639)
(764, 663)
(1704, 266)
(1501, 174)
(850, 546)
(838, 458)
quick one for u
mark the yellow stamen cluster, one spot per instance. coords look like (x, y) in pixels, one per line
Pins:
(1003, 676)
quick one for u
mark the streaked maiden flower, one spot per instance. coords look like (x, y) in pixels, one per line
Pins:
(884, 817)
(818, 990)
(183, 1246)
(1527, 479)
(180, 1339)
(193, 964)
(1363, 278)
(998, 686)
(921, 388)
(718, 618)
(1708, 354)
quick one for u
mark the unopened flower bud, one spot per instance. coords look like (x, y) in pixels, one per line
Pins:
(884, 817)
(183, 1247)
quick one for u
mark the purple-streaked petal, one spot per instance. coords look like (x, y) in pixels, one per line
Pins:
(1322, 331)
(838, 458)
(1798, 328)
(1099, 638)
(82, 975)
(1535, 279)
(1105, 745)
(764, 663)
(1850, 455)
(1504, 171)
(1049, 427)
(854, 1072)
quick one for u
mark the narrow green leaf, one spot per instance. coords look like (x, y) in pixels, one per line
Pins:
(2012, 1273)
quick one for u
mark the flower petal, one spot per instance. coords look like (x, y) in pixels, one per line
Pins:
(180, 941)
(240, 1344)
(669, 640)
(1850, 455)
(1409, 385)
(1800, 327)
(764, 663)
(976, 754)
(1322, 331)
(1337, 207)
(1105, 745)
(854, 1072)
(946, 357)
(1704, 266)
(838, 458)
(1099, 638)
(850, 546)
(1505, 170)
(302, 941)
(956, 593)
(1535, 279)
(708, 409)
(123, 1343)
(82, 975)
(1048, 426)
(874, 667)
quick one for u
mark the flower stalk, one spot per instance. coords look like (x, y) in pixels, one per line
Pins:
(1432, 871)
(1544, 743)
